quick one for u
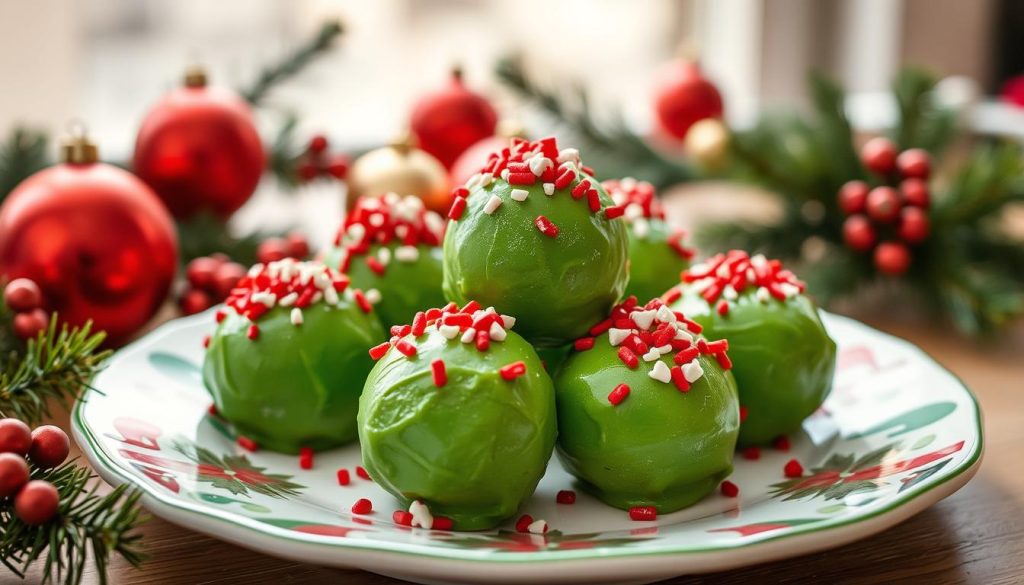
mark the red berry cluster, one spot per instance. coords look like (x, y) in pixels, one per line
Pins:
(35, 501)
(210, 279)
(317, 162)
(23, 296)
(889, 217)
(294, 246)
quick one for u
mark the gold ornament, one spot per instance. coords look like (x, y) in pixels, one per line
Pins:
(402, 169)
(707, 143)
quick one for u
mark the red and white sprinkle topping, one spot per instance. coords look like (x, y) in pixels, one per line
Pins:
(636, 202)
(388, 220)
(289, 284)
(721, 279)
(421, 516)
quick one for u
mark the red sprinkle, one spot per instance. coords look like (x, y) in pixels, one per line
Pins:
(567, 497)
(206, 341)
(253, 332)
(407, 349)
(679, 379)
(212, 410)
(419, 324)
(378, 351)
(483, 340)
(723, 360)
(729, 489)
(402, 518)
(793, 468)
(442, 523)
(580, 189)
(362, 301)
(375, 265)
(523, 523)
(743, 413)
(343, 477)
(305, 458)
(628, 357)
(722, 307)
(362, 472)
(362, 506)
(247, 443)
(752, 453)
(617, 395)
(601, 327)
(687, 355)
(643, 513)
(781, 443)
(440, 375)
(546, 227)
(220, 315)
(522, 178)
(615, 212)
(471, 307)
(457, 208)
(672, 295)
(512, 371)
(593, 200)
(563, 180)
(584, 343)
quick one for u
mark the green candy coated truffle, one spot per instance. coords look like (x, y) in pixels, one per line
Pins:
(782, 358)
(554, 286)
(654, 266)
(472, 450)
(293, 386)
(405, 287)
(659, 447)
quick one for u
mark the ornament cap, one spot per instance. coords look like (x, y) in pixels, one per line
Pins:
(79, 150)
(195, 76)
(509, 128)
(457, 72)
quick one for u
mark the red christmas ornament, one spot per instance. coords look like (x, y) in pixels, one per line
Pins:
(879, 155)
(915, 192)
(447, 122)
(914, 225)
(13, 474)
(199, 150)
(15, 436)
(852, 197)
(96, 240)
(28, 325)
(883, 204)
(914, 163)
(683, 97)
(37, 502)
(858, 233)
(22, 294)
(892, 258)
(1013, 91)
(50, 446)
(474, 158)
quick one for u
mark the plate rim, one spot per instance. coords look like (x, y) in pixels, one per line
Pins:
(763, 549)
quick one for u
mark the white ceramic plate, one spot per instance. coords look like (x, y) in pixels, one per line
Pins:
(898, 434)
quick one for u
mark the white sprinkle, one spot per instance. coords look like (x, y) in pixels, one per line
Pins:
(641, 227)
(384, 255)
(391, 198)
(664, 349)
(372, 295)
(496, 332)
(264, 298)
(504, 174)
(331, 296)
(486, 179)
(537, 527)
(665, 314)
(762, 294)
(407, 254)
(474, 181)
(568, 154)
(751, 275)
(539, 164)
(723, 271)
(651, 355)
(317, 297)
(322, 280)
(628, 183)
(683, 334)
(434, 223)
(255, 270)
(288, 299)
(549, 189)
(520, 194)
(469, 335)
(790, 290)
(349, 294)
(634, 211)
(660, 372)
(296, 316)
(509, 321)
(692, 371)
(492, 204)
(449, 331)
(617, 336)
(401, 231)
(421, 515)
(643, 319)
(619, 197)
(729, 293)
(376, 219)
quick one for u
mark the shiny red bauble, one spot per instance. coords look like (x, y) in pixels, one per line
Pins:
(858, 233)
(50, 446)
(914, 225)
(13, 474)
(853, 196)
(475, 157)
(198, 148)
(914, 163)
(97, 241)
(447, 122)
(883, 204)
(15, 436)
(879, 155)
(23, 294)
(892, 258)
(915, 193)
(683, 97)
(37, 502)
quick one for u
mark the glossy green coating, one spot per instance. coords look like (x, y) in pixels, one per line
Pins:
(405, 287)
(659, 447)
(556, 287)
(294, 386)
(654, 267)
(782, 358)
(472, 450)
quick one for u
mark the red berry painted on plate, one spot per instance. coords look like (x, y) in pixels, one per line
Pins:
(892, 258)
(914, 163)
(879, 155)
(28, 325)
(13, 474)
(15, 436)
(883, 204)
(914, 225)
(50, 446)
(23, 295)
(853, 195)
(915, 192)
(37, 502)
(858, 233)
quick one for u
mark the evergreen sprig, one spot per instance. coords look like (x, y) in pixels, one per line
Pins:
(293, 63)
(24, 152)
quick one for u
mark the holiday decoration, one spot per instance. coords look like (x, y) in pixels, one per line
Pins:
(198, 148)
(22, 295)
(707, 143)
(209, 279)
(447, 122)
(474, 157)
(683, 97)
(94, 238)
(400, 168)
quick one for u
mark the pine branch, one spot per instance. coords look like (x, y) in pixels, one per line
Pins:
(922, 122)
(292, 63)
(206, 234)
(612, 148)
(23, 153)
(88, 526)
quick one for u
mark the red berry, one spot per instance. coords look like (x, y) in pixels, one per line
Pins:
(23, 295)
(879, 155)
(50, 446)
(307, 171)
(892, 258)
(852, 196)
(195, 301)
(914, 163)
(298, 246)
(228, 275)
(28, 325)
(13, 474)
(915, 192)
(793, 468)
(200, 271)
(318, 144)
(883, 204)
(37, 502)
(858, 233)
(914, 225)
(272, 250)
(338, 166)
(15, 436)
